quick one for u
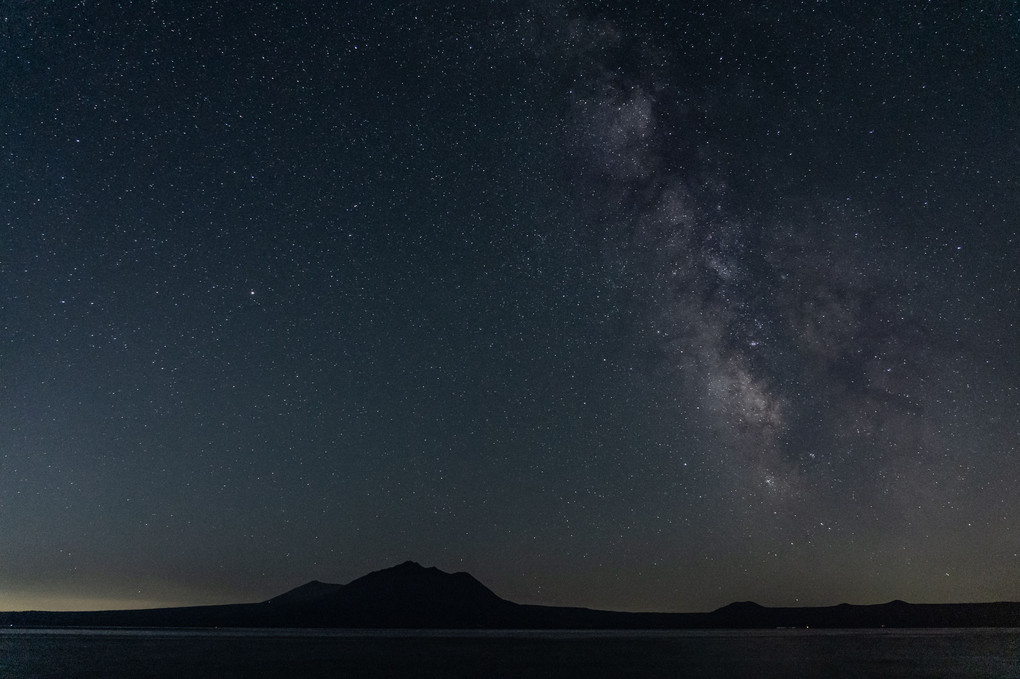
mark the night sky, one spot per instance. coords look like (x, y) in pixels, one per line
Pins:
(642, 306)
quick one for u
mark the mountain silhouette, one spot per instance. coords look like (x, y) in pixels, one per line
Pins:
(407, 595)
(412, 596)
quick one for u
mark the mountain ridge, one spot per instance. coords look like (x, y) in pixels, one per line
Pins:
(409, 595)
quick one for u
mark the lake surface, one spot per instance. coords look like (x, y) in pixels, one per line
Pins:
(192, 653)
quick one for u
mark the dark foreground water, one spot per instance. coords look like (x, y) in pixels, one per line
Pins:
(195, 654)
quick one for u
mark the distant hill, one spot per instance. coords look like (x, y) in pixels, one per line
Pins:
(411, 596)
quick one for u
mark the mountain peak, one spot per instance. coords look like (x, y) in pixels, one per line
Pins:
(741, 606)
(409, 566)
(412, 579)
(309, 591)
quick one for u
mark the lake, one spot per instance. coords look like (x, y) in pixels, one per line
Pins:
(228, 653)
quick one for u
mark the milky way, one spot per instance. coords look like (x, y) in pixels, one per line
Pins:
(735, 330)
(803, 335)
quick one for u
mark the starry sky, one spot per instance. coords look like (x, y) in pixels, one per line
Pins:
(642, 306)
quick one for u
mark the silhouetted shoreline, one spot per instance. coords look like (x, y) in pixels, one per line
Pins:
(410, 596)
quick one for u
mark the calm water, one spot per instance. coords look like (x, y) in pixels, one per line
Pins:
(180, 654)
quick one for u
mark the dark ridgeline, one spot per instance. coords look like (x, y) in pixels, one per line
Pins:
(410, 596)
